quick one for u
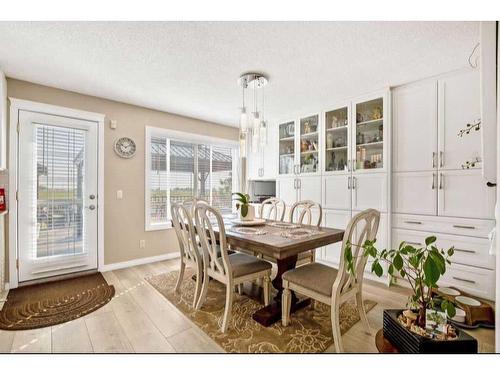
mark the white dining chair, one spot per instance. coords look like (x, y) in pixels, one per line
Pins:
(230, 270)
(191, 256)
(333, 286)
(272, 209)
(304, 212)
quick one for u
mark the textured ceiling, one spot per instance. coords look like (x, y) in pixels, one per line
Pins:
(191, 68)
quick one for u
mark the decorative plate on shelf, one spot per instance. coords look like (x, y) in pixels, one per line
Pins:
(124, 147)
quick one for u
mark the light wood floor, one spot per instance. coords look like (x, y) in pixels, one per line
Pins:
(139, 319)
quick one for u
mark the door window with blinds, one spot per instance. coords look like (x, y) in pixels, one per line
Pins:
(180, 166)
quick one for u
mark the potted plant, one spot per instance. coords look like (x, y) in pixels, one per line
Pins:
(245, 210)
(421, 267)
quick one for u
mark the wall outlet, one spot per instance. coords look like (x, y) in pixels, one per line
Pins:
(113, 124)
(142, 244)
(119, 194)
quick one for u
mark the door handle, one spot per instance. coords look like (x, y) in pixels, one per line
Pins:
(413, 243)
(464, 280)
(354, 182)
(353, 162)
(441, 159)
(464, 226)
(434, 160)
(440, 181)
(295, 183)
(348, 165)
(433, 181)
(349, 183)
(91, 207)
(412, 222)
(92, 196)
(465, 251)
(299, 183)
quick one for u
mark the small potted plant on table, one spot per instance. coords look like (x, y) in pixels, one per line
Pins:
(421, 267)
(245, 210)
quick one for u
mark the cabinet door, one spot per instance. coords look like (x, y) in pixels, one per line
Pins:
(286, 190)
(287, 140)
(254, 165)
(414, 193)
(415, 127)
(337, 220)
(310, 188)
(464, 193)
(308, 149)
(459, 105)
(369, 191)
(337, 192)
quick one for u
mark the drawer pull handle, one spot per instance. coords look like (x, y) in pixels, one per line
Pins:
(412, 222)
(465, 251)
(464, 280)
(464, 227)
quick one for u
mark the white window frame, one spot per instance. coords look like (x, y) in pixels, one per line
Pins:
(176, 135)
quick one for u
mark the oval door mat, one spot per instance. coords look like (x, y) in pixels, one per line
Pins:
(55, 302)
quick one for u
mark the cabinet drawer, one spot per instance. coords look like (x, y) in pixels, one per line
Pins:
(476, 281)
(469, 251)
(434, 224)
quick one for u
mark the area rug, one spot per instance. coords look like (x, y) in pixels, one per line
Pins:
(310, 329)
(56, 302)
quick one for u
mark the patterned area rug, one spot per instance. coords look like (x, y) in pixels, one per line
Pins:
(56, 302)
(309, 331)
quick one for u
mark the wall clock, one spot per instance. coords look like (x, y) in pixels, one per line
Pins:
(124, 147)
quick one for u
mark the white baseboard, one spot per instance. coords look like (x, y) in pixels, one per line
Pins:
(138, 262)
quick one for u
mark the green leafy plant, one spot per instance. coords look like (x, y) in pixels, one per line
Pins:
(421, 266)
(243, 200)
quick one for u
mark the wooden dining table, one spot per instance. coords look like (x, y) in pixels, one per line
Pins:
(283, 244)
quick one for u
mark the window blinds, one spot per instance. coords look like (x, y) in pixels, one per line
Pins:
(180, 170)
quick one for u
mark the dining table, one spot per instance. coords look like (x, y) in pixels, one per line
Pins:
(282, 242)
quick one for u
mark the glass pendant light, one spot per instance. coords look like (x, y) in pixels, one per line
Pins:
(243, 144)
(243, 120)
(263, 133)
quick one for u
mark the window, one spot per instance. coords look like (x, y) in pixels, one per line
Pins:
(180, 166)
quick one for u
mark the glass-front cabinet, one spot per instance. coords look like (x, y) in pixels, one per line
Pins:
(337, 140)
(286, 136)
(368, 134)
(309, 144)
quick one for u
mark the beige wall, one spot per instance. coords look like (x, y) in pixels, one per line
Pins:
(124, 219)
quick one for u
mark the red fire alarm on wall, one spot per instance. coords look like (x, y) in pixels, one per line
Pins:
(3, 204)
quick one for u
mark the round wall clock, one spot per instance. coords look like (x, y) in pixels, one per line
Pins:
(124, 147)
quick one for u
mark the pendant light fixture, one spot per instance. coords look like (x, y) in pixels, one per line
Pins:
(253, 126)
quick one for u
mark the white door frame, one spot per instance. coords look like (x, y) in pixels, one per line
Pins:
(17, 105)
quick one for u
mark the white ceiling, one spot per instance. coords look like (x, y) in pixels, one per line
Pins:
(191, 68)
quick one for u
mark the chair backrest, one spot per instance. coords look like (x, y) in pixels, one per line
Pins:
(304, 211)
(273, 206)
(208, 239)
(362, 227)
(184, 229)
(190, 203)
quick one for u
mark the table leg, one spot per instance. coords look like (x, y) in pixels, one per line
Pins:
(272, 313)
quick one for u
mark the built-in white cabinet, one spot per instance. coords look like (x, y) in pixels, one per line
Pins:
(337, 193)
(432, 194)
(296, 188)
(415, 192)
(465, 194)
(369, 191)
(415, 127)
(428, 177)
(458, 105)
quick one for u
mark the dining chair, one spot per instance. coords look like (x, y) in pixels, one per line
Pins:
(189, 249)
(302, 212)
(333, 286)
(191, 204)
(272, 209)
(230, 270)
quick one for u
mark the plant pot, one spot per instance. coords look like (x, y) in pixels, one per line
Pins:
(409, 342)
(250, 214)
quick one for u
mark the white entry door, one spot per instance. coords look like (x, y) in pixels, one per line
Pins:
(57, 195)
